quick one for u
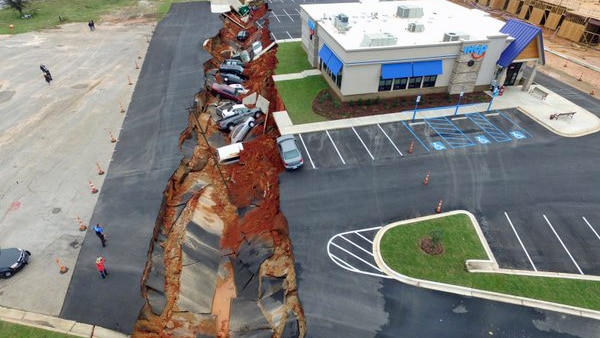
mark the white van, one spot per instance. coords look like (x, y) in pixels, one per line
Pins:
(230, 154)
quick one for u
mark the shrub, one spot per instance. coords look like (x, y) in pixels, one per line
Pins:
(360, 102)
(436, 236)
(336, 103)
(368, 102)
(351, 103)
(377, 100)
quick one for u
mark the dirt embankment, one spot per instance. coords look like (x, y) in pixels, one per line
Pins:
(221, 262)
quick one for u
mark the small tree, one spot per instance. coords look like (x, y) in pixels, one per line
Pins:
(436, 236)
(18, 5)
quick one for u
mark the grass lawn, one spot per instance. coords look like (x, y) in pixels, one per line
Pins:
(45, 13)
(298, 96)
(400, 251)
(292, 58)
(21, 331)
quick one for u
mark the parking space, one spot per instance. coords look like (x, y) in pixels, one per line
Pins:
(364, 145)
(548, 241)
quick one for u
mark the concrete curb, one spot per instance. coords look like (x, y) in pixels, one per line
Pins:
(56, 324)
(554, 130)
(465, 291)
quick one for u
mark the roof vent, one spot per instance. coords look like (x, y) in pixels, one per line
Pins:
(341, 22)
(416, 27)
(409, 12)
(378, 40)
(450, 36)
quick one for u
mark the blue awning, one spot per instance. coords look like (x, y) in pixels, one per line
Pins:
(396, 70)
(425, 68)
(334, 64)
(325, 53)
(311, 24)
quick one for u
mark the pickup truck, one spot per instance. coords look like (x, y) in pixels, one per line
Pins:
(227, 123)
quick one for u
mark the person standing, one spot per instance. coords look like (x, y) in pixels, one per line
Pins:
(100, 233)
(91, 25)
(100, 267)
(46, 72)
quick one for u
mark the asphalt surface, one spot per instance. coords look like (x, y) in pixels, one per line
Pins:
(346, 188)
(144, 159)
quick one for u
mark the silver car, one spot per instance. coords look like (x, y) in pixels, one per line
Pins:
(289, 151)
(239, 132)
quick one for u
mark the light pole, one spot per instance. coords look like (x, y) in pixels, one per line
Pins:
(494, 94)
(416, 106)
(458, 103)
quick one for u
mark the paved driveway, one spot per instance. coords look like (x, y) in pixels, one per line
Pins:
(144, 159)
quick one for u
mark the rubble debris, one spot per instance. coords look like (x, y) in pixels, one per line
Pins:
(220, 262)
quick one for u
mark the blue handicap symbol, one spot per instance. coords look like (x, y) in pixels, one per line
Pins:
(518, 135)
(438, 145)
(482, 139)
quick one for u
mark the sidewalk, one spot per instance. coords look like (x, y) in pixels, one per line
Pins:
(582, 123)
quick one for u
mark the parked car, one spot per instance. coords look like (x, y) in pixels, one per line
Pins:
(232, 78)
(239, 88)
(241, 114)
(234, 62)
(242, 35)
(227, 109)
(12, 260)
(226, 92)
(289, 152)
(239, 132)
(231, 69)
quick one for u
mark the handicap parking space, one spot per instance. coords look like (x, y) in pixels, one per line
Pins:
(546, 240)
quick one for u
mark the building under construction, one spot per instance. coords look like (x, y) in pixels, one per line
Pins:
(575, 20)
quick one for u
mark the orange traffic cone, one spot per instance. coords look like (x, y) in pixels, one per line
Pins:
(62, 269)
(100, 171)
(112, 138)
(580, 77)
(82, 226)
(129, 80)
(122, 108)
(411, 147)
(439, 207)
(94, 189)
(426, 180)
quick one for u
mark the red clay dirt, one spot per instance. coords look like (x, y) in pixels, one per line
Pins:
(201, 188)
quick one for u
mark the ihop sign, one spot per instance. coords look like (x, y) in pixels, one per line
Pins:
(477, 51)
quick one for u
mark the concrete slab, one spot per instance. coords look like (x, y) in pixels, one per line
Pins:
(51, 137)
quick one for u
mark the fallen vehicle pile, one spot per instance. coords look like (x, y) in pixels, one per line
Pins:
(220, 263)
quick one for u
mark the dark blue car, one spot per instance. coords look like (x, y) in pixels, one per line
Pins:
(12, 260)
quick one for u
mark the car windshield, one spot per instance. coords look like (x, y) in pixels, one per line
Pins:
(291, 154)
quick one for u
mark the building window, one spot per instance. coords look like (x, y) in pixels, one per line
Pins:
(415, 82)
(338, 80)
(400, 83)
(429, 81)
(385, 85)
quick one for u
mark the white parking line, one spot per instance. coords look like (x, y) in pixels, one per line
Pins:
(591, 228)
(520, 242)
(356, 245)
(563, 244)
(296, 9)
(336, 149)
(364, 145)
(307, 153)
(275, 15)
(392, 142)
(288, 14)
(273, 35)
(355, 256)
(288, 33)
(365, 238)
(341, 261)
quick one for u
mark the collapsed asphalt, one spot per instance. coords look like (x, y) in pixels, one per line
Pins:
(145, 157)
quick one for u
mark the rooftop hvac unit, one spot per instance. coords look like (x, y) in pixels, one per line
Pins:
(409, 12)
(341, 22)
(450, 36)
(416, 27)
(378, 40)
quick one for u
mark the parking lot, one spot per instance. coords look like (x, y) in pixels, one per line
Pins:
(391, 141)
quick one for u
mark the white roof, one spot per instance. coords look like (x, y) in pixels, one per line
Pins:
(374, 17)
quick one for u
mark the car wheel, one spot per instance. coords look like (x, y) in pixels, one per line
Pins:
(230, 126)
(257, 114)
(251, 124)
(7, 274)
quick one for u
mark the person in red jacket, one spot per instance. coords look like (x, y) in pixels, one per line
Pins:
(100, 267)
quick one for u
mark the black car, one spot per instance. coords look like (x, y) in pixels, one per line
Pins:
(242, 36)
(12, 260)
(232, 78)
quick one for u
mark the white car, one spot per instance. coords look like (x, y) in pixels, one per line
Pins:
(227, 109)
(239, 88)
